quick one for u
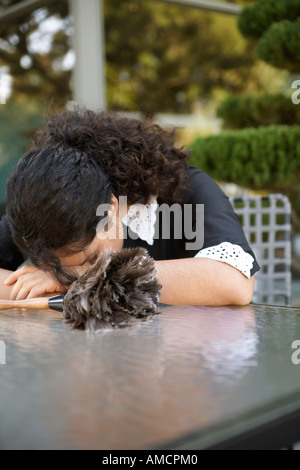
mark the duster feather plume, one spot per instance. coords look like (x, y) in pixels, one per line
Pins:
(120, 289)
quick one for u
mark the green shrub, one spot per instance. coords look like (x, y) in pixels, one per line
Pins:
(243, 111)
(255, 20)
(263, 158)
(280, 45)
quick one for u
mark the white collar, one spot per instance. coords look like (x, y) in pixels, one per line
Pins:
(141, 220)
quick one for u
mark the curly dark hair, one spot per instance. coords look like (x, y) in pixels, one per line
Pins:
(79, 160)
(139, 157)
(52, 199)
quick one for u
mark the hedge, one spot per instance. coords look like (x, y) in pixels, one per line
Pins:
(263, 158)
(255, 20)
(243, 111)
(280, 45)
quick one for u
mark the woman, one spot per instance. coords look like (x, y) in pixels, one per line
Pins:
(83, 161)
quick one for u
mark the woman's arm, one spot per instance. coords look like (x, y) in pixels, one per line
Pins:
(192, 281)
(202, 281)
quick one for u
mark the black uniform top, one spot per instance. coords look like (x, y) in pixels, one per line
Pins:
(10, 256)
(221, 224)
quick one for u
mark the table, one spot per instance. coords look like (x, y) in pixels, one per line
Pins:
(190, 378)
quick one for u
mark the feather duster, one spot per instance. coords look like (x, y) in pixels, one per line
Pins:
(119, 290)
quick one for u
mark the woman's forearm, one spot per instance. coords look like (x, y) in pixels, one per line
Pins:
(193, 281)
(201, 281)
(5, 291)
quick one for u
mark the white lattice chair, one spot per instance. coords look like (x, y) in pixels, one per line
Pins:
(267, 226)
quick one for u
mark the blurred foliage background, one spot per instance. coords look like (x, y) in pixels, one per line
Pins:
(162, 58)
(159, 58)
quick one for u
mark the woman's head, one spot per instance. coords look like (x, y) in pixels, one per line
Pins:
(82, 160)
(52, 199)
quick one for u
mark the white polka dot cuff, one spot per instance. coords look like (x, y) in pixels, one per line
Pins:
(229, 254)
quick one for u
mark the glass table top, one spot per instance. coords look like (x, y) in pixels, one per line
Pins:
(187, 369)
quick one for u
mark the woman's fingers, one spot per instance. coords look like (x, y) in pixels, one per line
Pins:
(30, 282)
(13, 278)
(22, 287)
(16, 289)
(37, 291)
(26, 279)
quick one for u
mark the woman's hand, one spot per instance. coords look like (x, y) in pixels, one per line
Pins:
(30, 282)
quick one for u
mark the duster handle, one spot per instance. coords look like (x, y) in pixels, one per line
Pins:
(43, 303)
(36, 304)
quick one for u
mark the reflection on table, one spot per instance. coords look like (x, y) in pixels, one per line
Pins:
(186, 369)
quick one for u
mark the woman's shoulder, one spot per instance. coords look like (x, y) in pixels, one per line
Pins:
(202, 187)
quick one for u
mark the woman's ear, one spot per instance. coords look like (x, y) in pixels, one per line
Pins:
(119, 206)
(115, 203)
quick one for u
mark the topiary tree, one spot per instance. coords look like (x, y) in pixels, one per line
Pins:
(279, 46)
(241, 111)
(256, 19)
(275, 26)
(265, 157)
